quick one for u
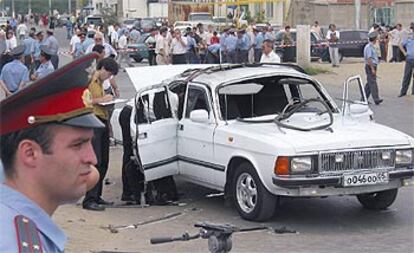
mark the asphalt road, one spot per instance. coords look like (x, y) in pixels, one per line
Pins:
(334, 224)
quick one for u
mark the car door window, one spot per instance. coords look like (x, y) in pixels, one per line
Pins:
(153, 106)
(197, 99)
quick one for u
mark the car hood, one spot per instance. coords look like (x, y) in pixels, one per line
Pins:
(361, 135)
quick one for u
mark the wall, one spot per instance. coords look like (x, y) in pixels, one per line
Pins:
(404, 11)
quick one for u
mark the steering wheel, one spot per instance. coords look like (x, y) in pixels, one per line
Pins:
(290, 109)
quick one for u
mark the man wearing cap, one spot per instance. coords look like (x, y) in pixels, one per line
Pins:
(230, 44)
(46, 66)
(371, 63)
(106, 68)
(407, 49)
(52, 43)
(47, 156)
(36, 55)
(29, 43)
(14, 75)
(243, 46)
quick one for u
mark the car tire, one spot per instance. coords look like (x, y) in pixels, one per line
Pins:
(252, 200)
(378, 200)
(137, 58)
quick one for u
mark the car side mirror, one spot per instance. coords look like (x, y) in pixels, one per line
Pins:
(199, 116)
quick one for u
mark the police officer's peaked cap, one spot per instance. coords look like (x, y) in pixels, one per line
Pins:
(61, 97)
(46, 50)
(18, 51)
(373, 35)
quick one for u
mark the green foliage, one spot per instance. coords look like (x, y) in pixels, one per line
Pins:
(260, 17)
(38, 6)
(312, 71)
(109, 16)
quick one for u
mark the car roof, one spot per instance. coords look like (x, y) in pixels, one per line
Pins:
(211, 75)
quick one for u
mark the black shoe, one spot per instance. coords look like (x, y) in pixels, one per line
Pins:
(401, 95)
(104, 202)
(379, 101)
(93, 207)
(129, 198)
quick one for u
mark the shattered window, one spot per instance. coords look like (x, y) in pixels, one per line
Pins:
(196, 100)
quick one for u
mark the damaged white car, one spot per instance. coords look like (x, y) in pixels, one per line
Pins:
(259, 132)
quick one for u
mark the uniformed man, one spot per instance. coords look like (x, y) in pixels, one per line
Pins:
(46, 66)
(258, 43)
(230, 44)
(52, 43)
(371, 64)
(243, 46)
(29, 43)
(14, 75)
(47, 156)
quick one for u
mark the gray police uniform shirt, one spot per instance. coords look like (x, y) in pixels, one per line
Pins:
(12, 205)
(52, 43)
(13, 74)
(44, 69)
(370, 52)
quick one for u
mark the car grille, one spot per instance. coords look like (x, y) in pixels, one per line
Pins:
(356, 160)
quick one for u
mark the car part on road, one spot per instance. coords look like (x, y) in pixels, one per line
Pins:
(378, 200)
(115, 229)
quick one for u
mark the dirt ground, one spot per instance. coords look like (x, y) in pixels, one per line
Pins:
(86, 235)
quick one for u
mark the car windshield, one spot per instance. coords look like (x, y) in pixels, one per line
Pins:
(275, 96)
(147, 23)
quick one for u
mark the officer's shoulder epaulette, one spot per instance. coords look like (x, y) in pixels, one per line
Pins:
(28, 238)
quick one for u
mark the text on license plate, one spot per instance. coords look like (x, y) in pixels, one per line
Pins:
(365, 179)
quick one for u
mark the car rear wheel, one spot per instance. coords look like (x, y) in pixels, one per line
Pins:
(253, 201)
(378, 200)
(136, 58)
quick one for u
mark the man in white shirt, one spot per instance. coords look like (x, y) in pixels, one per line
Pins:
(161, 47)
(22, 31)
(123, 46)
(178, 48)
(99, 40)
(333, 38)
(396, 35)
(114, 37)
(268, 55)
(73, 41)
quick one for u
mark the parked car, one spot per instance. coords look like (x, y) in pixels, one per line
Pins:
(94, 20)
(129, 23)
(318, 45)
(140, 49)
(145, 25)
(264, 131)
(352, 43)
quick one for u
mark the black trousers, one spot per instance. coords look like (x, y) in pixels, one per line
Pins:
(55, 61)
(408, 75)
(179, 59)
(257, 54)
(100, 143)
(371, 87)
(396, 54)
(151, 58)
(124, 121)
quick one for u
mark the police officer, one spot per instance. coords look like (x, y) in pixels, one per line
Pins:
(371, 64)
(46, 66)
(14, 75)
(243, 46)
(47, 157)
(259, 38)
(29, 43)
(52, 43)
(230, 44)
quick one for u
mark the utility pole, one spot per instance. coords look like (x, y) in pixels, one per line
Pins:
(369, 16)
(69, 7)
(50, 8)
(30, 7)
(13, 12)
(357, 14)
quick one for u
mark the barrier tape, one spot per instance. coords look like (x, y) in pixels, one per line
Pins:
(323, 44)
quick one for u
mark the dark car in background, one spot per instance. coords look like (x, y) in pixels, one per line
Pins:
(139, 49)
(352, 43)
(318, 45)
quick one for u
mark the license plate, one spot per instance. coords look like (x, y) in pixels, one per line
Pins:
(365, 179)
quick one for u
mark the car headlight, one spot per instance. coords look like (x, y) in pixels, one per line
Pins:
(403, 156)
(301, 164)
(287, 165)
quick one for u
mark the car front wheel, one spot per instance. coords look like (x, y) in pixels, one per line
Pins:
(378, 200)
(253, 201)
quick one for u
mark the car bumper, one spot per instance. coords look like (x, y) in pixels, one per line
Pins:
(332, 185)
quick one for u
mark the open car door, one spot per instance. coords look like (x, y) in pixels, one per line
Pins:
(154, 127)
(354, 101)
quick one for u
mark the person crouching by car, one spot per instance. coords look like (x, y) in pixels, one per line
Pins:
(106, 67)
